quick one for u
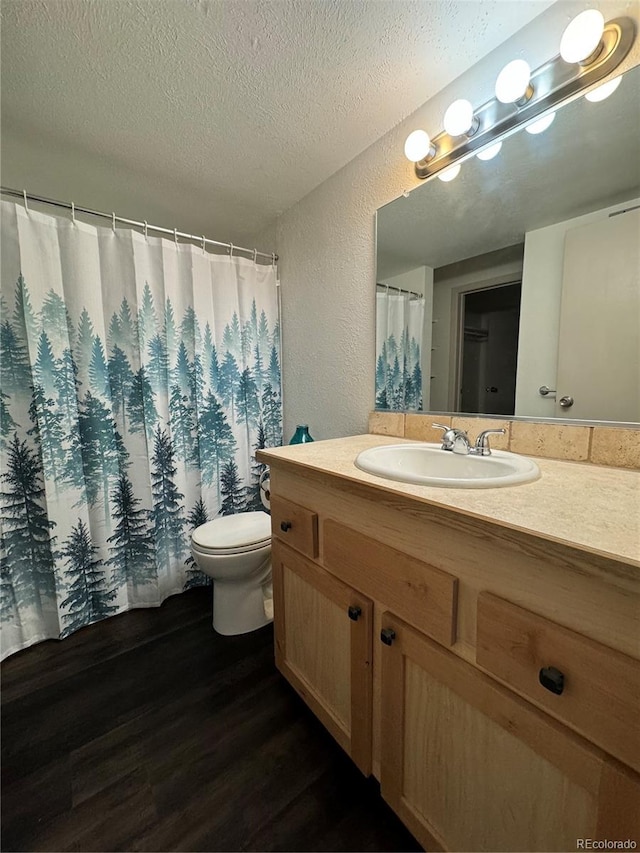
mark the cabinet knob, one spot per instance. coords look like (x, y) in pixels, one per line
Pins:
(285, 525)
(552, 679)
(354, 613)
(387, 635)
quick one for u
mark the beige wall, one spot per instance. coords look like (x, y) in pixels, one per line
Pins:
(54, 169)
(413, 280)
(327, 246)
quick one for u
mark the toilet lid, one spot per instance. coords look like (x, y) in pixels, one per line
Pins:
(246, 530)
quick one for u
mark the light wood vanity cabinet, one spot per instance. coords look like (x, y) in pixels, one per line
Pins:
(323, 637)
(471, 751)
(469, 765)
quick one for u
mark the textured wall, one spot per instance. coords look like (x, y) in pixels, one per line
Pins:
(327, 245)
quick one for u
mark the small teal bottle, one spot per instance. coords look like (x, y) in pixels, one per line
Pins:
(301, 435)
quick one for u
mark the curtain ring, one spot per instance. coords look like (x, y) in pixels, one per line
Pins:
(73, 213)
(175, 236)
(203, 245)
(26, 206)
(273, 259)
(113, 222)
(145, 229)
(231, 248)
(255, 255)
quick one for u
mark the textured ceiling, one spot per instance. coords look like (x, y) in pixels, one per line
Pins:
(249, 103)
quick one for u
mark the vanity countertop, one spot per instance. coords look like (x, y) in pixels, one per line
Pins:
(590, 507)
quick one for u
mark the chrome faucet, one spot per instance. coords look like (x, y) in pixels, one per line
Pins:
(450, 435)
(482, 441)
(457, 440)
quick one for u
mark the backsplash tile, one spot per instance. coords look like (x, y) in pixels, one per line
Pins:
(386, 423)
(555, 441)
(418, 427)
(616, 446)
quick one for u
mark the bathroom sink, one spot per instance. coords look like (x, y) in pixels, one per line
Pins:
(429, 465)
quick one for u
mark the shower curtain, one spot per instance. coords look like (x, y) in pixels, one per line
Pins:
(399, 330)
(138, 377)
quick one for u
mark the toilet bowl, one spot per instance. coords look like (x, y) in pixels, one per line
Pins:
(235, 551)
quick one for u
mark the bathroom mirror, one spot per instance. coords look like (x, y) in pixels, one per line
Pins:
(515, 289)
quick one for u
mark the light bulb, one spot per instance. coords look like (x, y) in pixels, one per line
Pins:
(513, 81)
(541, 125)
(603, 91)
(417, 146)
(458, 119)
(490, 153)
(582, 36)
(450, 173)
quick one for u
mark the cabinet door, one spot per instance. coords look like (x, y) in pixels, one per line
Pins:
(470, 766)
(323, 636)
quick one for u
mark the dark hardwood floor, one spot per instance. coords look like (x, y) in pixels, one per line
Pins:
(148, 731)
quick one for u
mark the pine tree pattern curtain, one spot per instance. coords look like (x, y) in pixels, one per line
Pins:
(399, 331)
(138, 377)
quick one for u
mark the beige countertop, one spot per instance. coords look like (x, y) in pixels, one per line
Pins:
(590, 507)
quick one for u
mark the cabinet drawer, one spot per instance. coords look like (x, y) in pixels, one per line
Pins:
(600, 687)
(422, 595)
(295, 525)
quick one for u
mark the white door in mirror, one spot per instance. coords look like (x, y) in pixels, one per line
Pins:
(429, 465)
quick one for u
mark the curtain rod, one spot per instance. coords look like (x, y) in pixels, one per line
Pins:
(400, 290)
(74, 208)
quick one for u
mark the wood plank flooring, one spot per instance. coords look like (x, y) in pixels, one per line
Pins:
(149, 731)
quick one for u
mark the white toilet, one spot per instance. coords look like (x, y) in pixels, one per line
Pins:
(235, 550)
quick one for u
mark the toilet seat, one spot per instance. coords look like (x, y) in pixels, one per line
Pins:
(233, 534)
(229, 552)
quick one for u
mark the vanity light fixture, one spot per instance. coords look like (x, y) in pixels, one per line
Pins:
(459, 119)
(590, 51)
(418, 146)
(513, 85)
(541, 124)
(450, 173)
(490, 152)
(582, 39)
(603, 91)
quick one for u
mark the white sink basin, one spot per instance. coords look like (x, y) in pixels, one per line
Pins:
(429, 465)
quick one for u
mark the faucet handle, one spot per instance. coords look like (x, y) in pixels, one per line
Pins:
(449, 435)
(482, 441)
